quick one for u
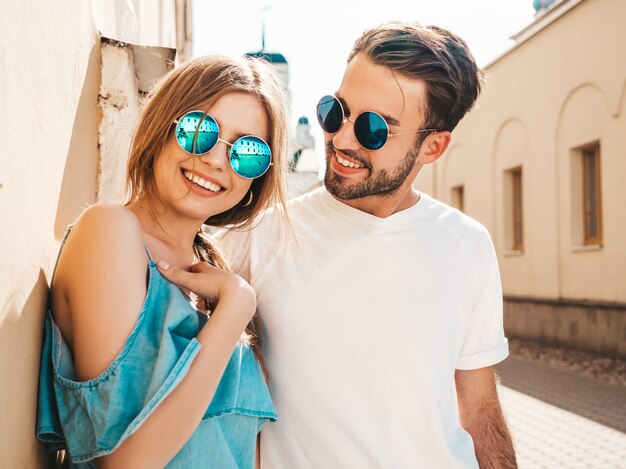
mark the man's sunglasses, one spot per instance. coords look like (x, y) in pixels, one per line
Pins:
(198, 132)
(370, 128)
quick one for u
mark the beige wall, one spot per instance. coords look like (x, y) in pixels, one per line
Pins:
(50, 75)
(561, 88)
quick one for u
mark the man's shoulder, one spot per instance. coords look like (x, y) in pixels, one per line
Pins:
(455, 222)
(308, 201)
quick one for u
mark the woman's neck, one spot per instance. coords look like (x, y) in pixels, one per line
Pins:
(173, 230)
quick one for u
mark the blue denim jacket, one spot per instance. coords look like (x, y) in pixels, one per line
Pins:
(92, 418)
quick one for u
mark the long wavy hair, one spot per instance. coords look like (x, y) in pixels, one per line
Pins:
(202, 82)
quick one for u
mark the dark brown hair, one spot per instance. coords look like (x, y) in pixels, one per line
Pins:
(432, 54)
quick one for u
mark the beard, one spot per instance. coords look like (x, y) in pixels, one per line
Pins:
(381, 183)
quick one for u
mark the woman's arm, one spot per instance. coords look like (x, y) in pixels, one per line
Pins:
(173, 422)
(102, 278)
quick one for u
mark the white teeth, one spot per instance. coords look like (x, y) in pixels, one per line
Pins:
(201, 182)
(347, 163)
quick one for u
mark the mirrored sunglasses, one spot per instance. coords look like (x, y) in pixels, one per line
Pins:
(370, 128)
(198, 132)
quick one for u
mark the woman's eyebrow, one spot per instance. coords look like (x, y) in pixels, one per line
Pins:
(237, 135)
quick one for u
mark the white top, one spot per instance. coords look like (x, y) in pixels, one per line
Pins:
(366, 320)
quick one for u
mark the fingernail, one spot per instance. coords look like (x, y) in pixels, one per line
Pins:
(164, 265)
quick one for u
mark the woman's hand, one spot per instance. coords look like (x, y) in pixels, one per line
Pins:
(212, 284)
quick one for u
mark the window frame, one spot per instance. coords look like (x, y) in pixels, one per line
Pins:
(586, 151)
(517, 237)
(458, 197)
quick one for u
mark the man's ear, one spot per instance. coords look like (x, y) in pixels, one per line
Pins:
(434, 146)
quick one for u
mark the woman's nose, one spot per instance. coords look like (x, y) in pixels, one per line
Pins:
(217, 157)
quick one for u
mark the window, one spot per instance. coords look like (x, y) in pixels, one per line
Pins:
(592, 208)
(518, 235)
(458, 199)
(514, 227)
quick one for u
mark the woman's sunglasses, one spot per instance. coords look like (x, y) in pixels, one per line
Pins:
(370, 128)
(198, 132)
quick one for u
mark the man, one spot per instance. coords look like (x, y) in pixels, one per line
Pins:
(383, 314)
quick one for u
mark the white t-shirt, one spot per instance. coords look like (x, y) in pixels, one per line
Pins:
(366, 320)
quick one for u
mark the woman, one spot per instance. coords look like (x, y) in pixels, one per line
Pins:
(131, 375)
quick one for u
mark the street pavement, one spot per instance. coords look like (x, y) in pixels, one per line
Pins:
(561, 419)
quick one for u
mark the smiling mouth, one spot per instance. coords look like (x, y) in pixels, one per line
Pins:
(198, 181)
(347, 163)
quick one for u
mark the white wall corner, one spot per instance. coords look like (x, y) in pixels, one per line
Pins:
(120, 109)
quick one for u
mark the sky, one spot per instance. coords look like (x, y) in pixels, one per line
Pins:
(316, 36)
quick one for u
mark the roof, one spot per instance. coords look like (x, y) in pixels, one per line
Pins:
(542, 20)
(271, 57)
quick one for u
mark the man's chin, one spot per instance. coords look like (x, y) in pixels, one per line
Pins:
(339, 186)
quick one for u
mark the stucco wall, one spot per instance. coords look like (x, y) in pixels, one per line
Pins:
(559, 89)
(47, 172)
(50, 73)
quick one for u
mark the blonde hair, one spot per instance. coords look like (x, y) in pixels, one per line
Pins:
(202, 82)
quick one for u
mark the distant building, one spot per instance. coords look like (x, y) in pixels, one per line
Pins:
(279, 62)
(540, 162)
(303, 137)
(277, 59)
(541, 6)
(304, 165)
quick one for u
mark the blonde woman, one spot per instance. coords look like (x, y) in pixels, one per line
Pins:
(133, 374)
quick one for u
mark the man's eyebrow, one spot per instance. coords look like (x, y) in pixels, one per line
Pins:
(390, 120)
(346, 109)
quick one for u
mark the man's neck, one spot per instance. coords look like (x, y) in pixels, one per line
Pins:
(383, 206)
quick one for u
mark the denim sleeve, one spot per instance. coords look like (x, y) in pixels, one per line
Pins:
(92, 418)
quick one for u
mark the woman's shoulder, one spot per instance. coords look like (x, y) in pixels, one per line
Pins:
(108, 219)
(107, 238)
(106, 230)
(100, 284)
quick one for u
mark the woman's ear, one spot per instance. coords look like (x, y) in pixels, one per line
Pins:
(434, 146)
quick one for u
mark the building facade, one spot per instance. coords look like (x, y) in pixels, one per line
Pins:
(540, 161)
(71, 74)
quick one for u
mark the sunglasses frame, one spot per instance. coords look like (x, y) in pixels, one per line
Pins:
(231, 145)
(345, 118)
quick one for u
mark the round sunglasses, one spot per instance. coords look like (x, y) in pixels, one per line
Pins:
(198, 132)
(370, 128)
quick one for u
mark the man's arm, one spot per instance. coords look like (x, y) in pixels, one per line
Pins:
(481, 416)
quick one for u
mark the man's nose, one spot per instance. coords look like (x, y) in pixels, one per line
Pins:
(345, 138)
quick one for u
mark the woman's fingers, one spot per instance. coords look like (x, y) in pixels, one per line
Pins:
(176, 275)
(204, 280)
(201, 267)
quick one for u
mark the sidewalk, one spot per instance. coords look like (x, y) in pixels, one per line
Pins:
(561, 419)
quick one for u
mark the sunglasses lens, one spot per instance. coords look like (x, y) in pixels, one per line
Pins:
(371, 130)
(197, 132)
(250, 157)
(329, 114)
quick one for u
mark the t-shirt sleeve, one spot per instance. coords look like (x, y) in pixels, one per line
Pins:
(235, 245)
(484, 343)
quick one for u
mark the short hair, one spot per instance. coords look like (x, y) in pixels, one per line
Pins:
(434, 55)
